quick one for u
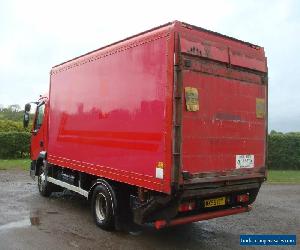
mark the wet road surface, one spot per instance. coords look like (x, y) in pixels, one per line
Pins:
(64, 221)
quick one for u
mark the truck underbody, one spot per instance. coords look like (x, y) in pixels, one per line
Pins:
(139, 205)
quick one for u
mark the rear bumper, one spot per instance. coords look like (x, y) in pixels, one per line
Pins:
(163, 209)
(204, 216)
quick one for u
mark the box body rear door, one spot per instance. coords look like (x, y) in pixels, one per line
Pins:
(224, 117)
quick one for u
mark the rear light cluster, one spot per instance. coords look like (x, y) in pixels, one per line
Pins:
(187, 206)
(242, 198)
(191, 205)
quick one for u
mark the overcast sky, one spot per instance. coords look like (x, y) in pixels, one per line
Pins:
(35, 35)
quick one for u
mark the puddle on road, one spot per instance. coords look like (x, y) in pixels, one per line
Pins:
(15, 224)
(33, 220)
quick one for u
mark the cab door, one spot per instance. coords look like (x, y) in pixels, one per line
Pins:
(38, 132)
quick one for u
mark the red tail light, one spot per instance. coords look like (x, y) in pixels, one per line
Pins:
(187, 206)
(242, 198)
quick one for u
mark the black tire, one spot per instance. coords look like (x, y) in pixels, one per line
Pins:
(45, 188)
(104, 206)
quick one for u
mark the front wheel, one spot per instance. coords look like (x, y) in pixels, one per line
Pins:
(104, 206)
(44, 186)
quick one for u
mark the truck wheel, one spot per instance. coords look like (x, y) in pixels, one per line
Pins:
(45, 188)
(104, 206)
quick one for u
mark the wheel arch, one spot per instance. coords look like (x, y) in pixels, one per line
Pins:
(40, 161)
(107, 184)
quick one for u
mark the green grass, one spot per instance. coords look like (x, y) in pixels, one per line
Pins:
(284, 176)
(15, 164)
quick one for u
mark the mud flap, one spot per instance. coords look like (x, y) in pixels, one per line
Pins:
(159, 207)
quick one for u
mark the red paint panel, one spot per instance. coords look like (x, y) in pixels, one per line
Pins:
(206, 49)
(225, 126)
(213, 163)
(111, 173)
(199, 217)
(222, 49)
(217, 69)
(110, 111)
(226, 129)
(247, 60)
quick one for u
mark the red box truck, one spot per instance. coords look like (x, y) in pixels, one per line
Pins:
(168, 126)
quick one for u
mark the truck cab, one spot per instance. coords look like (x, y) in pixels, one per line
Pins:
(39, 131)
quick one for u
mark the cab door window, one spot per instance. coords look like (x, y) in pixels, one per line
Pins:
(39, 116)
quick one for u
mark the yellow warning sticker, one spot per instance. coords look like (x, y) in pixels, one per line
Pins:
(191, 99)
(260, 108)
(160, 164)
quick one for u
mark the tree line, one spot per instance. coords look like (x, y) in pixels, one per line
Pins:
(283, 148)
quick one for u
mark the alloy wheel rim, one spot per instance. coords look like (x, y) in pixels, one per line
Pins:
(101, 206)
(41, 181)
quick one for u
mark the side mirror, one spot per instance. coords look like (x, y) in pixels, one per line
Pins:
(27, 107)
(26, 115)
(26, 119)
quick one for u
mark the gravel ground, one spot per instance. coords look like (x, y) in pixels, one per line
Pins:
(64, 221)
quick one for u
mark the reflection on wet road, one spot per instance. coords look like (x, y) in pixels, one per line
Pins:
(15, 224)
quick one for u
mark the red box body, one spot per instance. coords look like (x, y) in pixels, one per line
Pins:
(113, 112)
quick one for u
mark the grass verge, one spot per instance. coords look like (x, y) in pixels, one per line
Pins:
(22, 164)
(284, 176)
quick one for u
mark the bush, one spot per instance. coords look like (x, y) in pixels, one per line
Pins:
(14, 144)
(284, 151)
(14, 126)
(11, 126)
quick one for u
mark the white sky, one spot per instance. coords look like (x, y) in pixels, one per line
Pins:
(35, 35)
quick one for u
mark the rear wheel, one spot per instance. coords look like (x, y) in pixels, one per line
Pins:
(104, 206)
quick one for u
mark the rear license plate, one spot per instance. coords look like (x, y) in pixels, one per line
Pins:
(214, 202)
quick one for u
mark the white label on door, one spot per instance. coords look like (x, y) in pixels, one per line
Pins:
(159, 173)
(244, 161)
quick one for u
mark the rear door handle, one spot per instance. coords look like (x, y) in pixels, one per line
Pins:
(41, 144)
